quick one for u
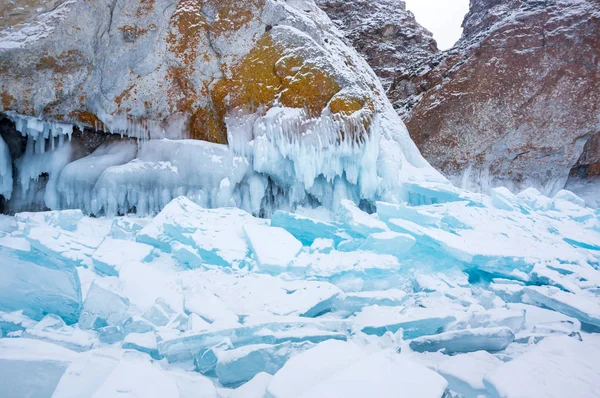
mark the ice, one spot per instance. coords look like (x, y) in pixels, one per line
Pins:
(160, 314)
(556, 367)
(137, 325)
(388, 211)
(274, 247)
(392, 243)
(585, 309)
(337, 262)
(77, 180)
(515, 319)
(214, 295)
(42, 156)
(104, 305)
(216, 234)
(468, 340)
(142, 342)
(322, 245)
(87, 373)
(308, 369)
(569, 197)
(355, 301)
(31, 368)
(6, 171)
(300, 330)
(337, 370)
(54, 330)
(240, 365)
(137, 376)
(414, 322)
(358, 221)
(164, 170)
(255, 388)
(465, 372)
(14, 322)
(113, 253)
(39, 285)
(306, 229)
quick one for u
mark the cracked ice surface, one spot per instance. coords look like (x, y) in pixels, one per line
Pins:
(447, 294)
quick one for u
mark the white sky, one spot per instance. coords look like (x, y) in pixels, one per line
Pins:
(441, 17)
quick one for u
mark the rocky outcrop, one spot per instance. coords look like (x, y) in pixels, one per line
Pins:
(517, 99)
(265, 76)
(153, 64)
(384, 32)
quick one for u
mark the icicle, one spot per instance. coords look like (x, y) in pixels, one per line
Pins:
(6, 177)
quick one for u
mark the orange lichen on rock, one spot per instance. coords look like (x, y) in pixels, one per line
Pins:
(7, 100)
(87, 118)
(346, 105)
(231, 16)
(205, 125)
(145, 7)
(66, 62)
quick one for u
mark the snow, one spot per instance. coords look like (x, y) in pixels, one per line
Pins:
(113, 253)
(556, 367)
(274, 247)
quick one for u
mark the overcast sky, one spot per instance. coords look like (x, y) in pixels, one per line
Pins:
(441, 17)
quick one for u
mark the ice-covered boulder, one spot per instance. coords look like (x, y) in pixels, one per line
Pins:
(39, 284)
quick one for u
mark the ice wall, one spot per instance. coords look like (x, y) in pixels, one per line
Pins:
(278, 159)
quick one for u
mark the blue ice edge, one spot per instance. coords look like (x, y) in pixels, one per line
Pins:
(39, 284)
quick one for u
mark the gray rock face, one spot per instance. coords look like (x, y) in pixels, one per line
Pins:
(384, 32)
(516, 100)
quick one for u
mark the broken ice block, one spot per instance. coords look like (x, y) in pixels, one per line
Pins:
(216, 234)
(557, 367)
(511, 318)
(113, 253)
(205, 361)
(305, 229)
(240, 365)
(393, 243)
(334, 370)
(311, 367)
(358, 221)
(274, 247)
(160, 313)
(337, 262)
(387, 211)
(143, 342)
(465, 372)
(103, 306)
(31, 368)
(414, 322)
(586, 309)
(255, 388)
(467, 340)
(54, 330)
(39, 285)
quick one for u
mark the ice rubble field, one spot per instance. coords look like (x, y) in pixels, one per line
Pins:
(452, 294)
